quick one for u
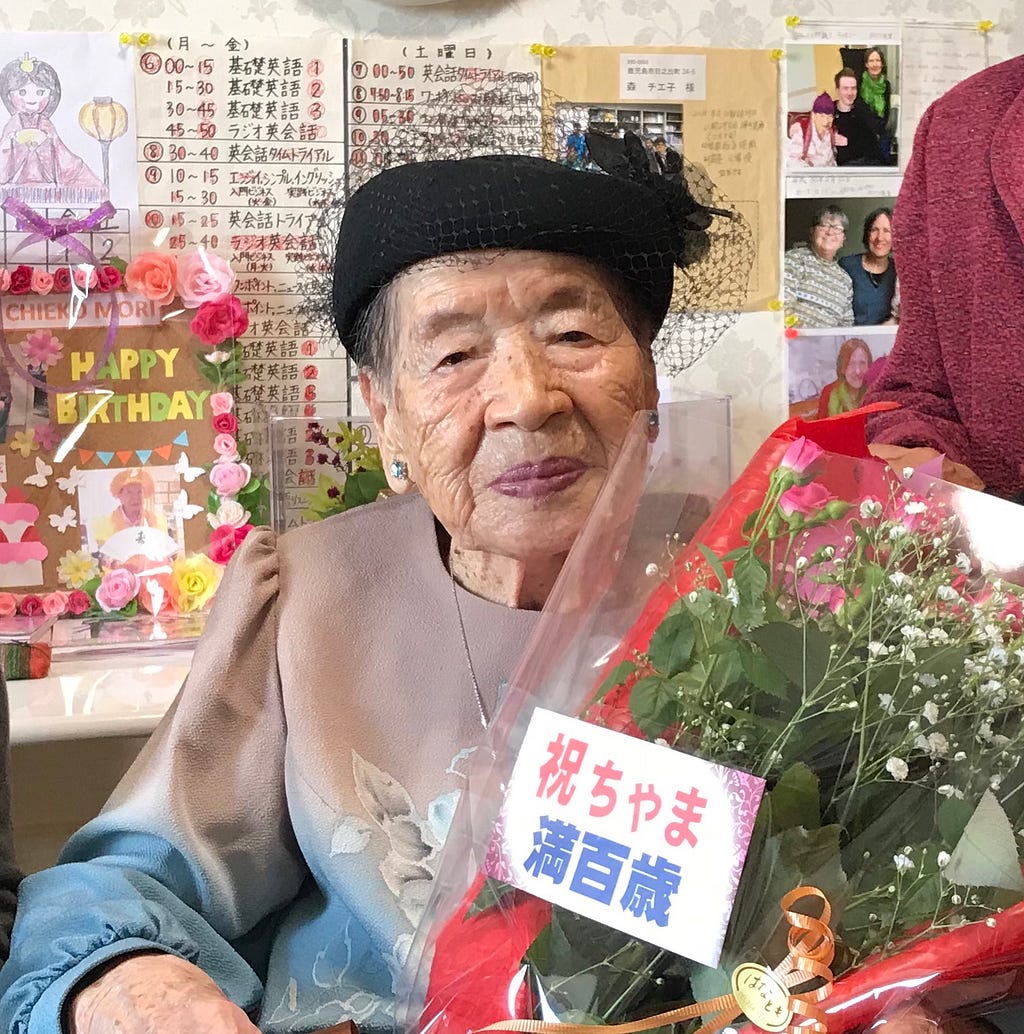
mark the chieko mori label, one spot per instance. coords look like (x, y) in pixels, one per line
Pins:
(635, 835)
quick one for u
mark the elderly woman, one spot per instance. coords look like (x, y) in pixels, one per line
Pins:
(847, 391)
(818, 292)
(810, 137)
(265, 862)
(873, 271)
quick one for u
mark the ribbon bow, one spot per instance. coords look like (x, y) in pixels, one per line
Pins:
(61, 231)
(765, 996)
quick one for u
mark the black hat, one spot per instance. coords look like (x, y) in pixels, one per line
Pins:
(422, 210)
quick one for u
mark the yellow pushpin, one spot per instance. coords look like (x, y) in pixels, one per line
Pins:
(986, 25)
(792, 21)
(775, 305)
(791, 321)
(145, 38)
(542, 50)
(777, 54)
(125, 39)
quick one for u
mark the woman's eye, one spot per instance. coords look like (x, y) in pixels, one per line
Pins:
(574, 336)
(454, 359)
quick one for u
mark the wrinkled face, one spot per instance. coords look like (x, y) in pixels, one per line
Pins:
(880, 236)
(822, 122)
(30, 98)
(856, 369)
(873, 64)
(847, 91)
(130, 497)
(827, 237)
(514, 380)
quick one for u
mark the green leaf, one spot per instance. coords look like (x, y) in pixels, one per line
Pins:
(727, 667)
(716, 565)
(616, 677)
(986, 854)
(492, 893)
(796, 800)
(212, 502)
(363, 487)
(252, 487)
(91, 586)
(117, 262)
(801, 653)
(652, 703)
(672, 643)
(761, 672)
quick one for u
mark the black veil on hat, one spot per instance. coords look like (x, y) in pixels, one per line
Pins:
(655, 238)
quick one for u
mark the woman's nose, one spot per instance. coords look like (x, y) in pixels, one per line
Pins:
(524, 388)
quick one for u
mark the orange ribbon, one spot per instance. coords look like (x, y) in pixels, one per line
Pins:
(811, 946)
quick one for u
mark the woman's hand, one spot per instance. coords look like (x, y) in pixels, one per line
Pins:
(840, 140)
(152, 993)
(899, 457)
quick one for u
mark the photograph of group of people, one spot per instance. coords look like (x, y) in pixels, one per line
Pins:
(842, 106)
(839, 274)
(658, 129)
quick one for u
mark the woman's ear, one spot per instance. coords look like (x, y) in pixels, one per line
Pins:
(378, 402)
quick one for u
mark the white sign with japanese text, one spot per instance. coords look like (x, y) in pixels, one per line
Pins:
(663, 77)
(634, 835)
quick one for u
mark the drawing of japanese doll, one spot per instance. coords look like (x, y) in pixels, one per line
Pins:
(35, 164)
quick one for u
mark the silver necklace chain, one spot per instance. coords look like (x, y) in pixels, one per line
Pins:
(484, 720)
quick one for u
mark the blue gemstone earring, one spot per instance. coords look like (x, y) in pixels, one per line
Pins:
(399, 470)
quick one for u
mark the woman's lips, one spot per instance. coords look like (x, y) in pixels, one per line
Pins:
(538, 479)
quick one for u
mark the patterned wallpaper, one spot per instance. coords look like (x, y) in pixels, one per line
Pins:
(748, 363)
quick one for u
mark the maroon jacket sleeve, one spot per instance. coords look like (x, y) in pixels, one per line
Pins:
(915, 375)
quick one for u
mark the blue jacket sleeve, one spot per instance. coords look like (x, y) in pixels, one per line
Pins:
(195, 847)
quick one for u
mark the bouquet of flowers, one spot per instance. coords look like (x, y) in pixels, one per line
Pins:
(844, 648)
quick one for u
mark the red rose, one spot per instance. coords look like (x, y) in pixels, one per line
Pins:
(225, 423)
(225, 540)
(30, 605)
(62, 279)
(21, 280)
(215, 322)
(108, 278)
(78, 602)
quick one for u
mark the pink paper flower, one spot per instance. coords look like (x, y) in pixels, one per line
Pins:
(8, 604)
(800, 456)
(85, 277)
(30, 605)
(225, 423)
(154, 275)
(46, 437)
(55, 603)
(203, 277)
(78, 602)
(42, 349)
(806, 500)
(21, 280)
(225, 540)
(216, 321)
(42, 282)
(225, 445)
(108, 278)
(117, 589)
(230, 478)
(222, 402)
(5, 281)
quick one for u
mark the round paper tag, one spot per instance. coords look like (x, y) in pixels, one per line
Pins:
(762, 997)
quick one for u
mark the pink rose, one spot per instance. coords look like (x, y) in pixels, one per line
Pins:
(225, 423)
(215, 322)
(117, 589)
(225, 540)
(55, 603)
(225, 445)
(85, 277)
(799, 456)
(806, 500)
(203, 277)
(5, 281)
(222, 402)
(42, 282)
(30, 605)
(78, 602)
(230, 478)
(108, 278)
(154, 275)
(21, 280)
(62, 280)
(8, 604)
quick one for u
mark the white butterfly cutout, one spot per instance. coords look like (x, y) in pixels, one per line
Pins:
(65, 520)
(183, 508)
(72, 481)
(42, 475)
(187, 472)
